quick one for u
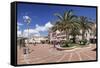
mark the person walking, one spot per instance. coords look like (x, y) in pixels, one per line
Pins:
(26, 52)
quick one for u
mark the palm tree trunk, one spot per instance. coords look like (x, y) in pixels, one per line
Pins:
(74, 39)
(67, 36)
(83, 33)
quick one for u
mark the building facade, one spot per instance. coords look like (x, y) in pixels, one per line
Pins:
(38, 39)
(61, 35)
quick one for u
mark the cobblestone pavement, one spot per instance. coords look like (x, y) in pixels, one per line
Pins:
(45, 53)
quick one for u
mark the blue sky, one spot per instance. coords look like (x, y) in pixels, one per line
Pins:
(43, 15)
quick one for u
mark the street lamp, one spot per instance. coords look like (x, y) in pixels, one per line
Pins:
(27, 20)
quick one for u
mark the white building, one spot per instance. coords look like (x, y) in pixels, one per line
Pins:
(37, 39)
(61, 35)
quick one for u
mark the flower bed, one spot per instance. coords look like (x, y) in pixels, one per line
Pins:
(65, 48)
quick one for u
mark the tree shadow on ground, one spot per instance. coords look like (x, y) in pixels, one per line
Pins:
(94, 49)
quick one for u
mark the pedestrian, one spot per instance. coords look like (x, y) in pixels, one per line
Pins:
(25, 47)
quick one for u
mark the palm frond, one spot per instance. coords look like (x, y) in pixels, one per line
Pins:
(59, 16)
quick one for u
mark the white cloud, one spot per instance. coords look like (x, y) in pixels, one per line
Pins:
(32, 32)
(38, 34)
(19, 24)
(17, 27)
(48, 25)
(43, 28)
(40, 28)
(19, 33)
(36, 31)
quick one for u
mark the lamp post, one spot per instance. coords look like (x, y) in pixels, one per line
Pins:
(27, 20)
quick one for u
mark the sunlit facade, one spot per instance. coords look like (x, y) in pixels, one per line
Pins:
(61, 35)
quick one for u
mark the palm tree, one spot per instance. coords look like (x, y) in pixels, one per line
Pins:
(85, 25)
(65, 22)
(75, 30)
(57, 26)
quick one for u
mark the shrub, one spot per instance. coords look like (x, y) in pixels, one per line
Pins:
(67, 44)
(83, 42)
(42, 42)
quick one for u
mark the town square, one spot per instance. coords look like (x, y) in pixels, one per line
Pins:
(53, 34)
